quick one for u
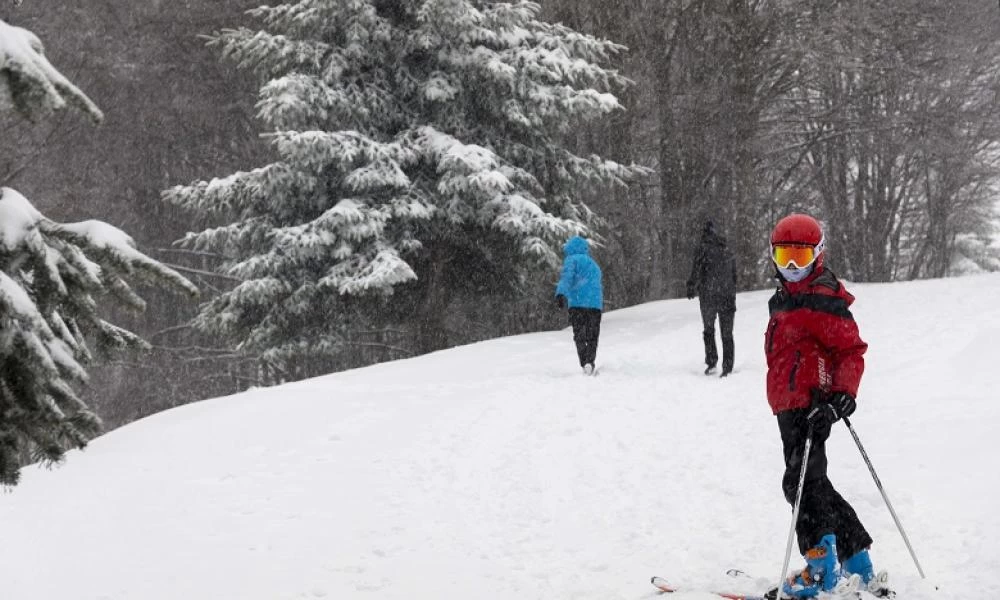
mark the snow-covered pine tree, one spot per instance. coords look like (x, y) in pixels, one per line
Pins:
(422, 155)
(52, 277)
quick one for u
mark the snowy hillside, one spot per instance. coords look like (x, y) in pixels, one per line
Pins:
(498, 471)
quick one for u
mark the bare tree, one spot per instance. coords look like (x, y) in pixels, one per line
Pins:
(896, 107)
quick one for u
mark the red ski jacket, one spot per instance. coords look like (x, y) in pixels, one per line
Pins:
(812, 343)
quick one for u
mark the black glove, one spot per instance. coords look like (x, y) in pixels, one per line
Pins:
(561, 301)
(821, 414)
(827, 412)
(843, 403)
(690, 290)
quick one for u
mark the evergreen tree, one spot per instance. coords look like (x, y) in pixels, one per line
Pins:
(421, 159)
(52, 277)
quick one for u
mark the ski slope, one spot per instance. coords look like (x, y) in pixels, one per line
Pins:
(498, 471)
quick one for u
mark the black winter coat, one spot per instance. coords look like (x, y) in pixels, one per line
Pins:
(714, 272)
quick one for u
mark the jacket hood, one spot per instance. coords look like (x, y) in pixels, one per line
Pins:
(576, 245)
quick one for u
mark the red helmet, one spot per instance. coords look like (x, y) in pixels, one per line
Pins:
(798, 229)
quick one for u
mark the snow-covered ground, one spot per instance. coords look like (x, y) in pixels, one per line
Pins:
(498, 471)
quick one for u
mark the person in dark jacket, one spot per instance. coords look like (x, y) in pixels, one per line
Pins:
(579, 289)
(815, 359)
(713, 280)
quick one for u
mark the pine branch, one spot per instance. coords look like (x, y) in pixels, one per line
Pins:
(194, 253)
(202, 272)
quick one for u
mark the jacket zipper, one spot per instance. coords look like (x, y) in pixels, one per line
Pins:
(770, 336)
(795, 368)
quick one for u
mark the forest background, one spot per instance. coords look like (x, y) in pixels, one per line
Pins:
(880, 118)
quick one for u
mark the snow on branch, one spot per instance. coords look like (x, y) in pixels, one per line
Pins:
(116, 247)
(30, 84)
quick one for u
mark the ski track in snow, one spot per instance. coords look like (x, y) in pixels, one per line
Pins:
(498, 470)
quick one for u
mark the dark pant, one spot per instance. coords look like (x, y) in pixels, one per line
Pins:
(823, 509)
(709, 310)
(586, 324)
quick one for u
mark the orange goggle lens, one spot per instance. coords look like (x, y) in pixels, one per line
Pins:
(800, 256)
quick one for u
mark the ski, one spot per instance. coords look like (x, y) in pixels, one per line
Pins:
(851, 589)
(664, 586)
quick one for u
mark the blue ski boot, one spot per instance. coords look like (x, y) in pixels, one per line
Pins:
(821, 573)
(861, 565)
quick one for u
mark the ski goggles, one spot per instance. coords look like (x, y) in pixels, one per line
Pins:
(801, 256)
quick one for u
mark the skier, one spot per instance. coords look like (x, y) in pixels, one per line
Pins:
(814, 365)
(713, 280)
(579, 289)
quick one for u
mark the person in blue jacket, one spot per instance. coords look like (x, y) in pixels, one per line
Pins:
(579, 289)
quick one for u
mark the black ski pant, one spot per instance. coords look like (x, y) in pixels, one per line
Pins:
(726, 313)
(823, 509)
(586, 324)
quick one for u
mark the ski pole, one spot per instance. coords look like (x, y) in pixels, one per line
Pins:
(795, 510)
(881, 490)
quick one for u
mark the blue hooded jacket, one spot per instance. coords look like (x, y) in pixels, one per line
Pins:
(581, 277)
